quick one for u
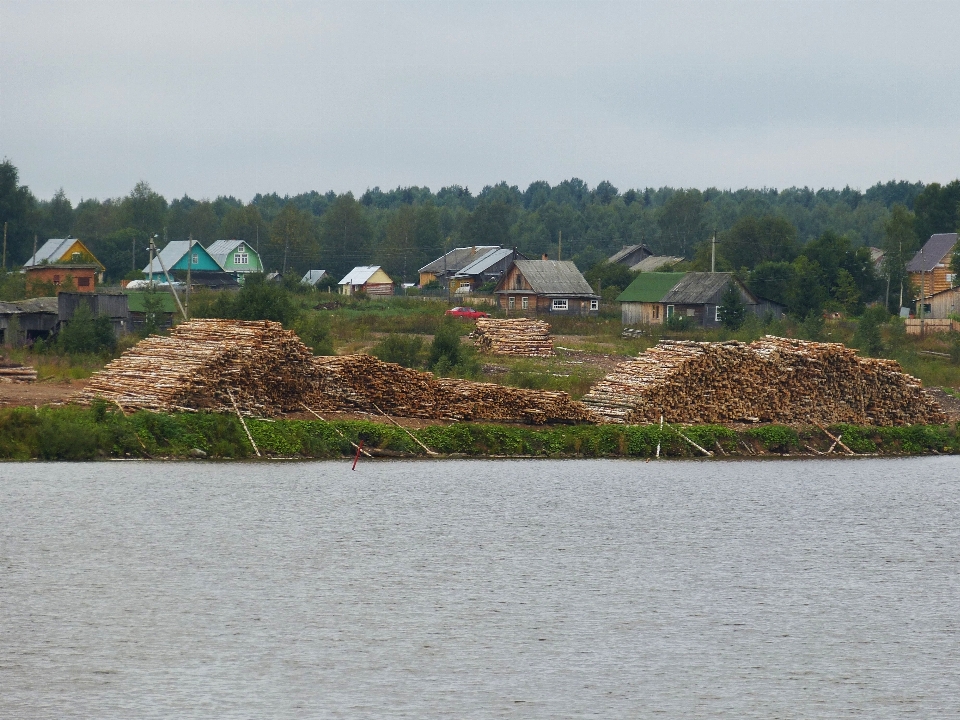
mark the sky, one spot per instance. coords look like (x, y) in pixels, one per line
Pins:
(235, 98)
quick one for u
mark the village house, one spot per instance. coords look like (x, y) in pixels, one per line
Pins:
(446, 266)
(488, 268)
(654, 298)
(630, 255)
(174, 257)
(63, 262)
(930, 269)
(656, 263)
(369, 279)
(312, 277)
(236, 258)
(546, 286)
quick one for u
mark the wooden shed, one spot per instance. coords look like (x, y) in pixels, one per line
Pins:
(369, 279)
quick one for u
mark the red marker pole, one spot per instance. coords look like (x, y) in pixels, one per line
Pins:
(357, 456)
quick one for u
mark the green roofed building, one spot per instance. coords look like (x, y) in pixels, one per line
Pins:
(655, 297)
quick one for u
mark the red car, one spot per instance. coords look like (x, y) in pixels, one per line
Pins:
(467, 312)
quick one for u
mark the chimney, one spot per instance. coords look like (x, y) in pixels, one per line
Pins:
(544, 257)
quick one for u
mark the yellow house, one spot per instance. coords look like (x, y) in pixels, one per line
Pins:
(64, 250)
(369, 279)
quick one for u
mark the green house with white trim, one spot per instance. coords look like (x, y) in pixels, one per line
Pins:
(236, 257)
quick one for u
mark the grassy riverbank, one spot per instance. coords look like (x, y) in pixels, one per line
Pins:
(100, 432)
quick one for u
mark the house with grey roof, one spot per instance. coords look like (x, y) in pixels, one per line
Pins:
(630, 255)
(656, 263)
(236, 257)
(653, 298)
(449, 264)
(312, 277)
(930, 268)
(554, 287)
(485, 269)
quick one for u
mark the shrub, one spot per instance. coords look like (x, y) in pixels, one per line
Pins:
(406, 350)
(84, 333)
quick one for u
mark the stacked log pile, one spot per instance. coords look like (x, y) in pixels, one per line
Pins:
(524, 337)
(362, 382)
(223, 365)
(11, 372)
(770, 380)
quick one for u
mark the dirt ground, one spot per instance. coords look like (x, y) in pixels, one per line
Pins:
(38, 393)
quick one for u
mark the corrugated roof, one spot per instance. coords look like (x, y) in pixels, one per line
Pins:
(313, 277)
(51, 251)
(359, 275)
(650, 287)
(655, 262)
(482, 264)
(933, 252)
(623, 252)
(554, 277)
(220, 249)
(33, 305)
(697, 288)
(457, 259)
(169, 256)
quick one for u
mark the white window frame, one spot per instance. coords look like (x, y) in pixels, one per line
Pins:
(716, 314)
(241, 258)
(560, 304)
(194, 258)
(594, 304)
(510, 302)
(524, 302)
(669, 312)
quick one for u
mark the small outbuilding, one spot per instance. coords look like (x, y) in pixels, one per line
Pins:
(546, 286)
(312, 277)
(27, 320)
(369, 279)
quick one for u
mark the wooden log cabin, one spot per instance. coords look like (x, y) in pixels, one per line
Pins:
(930, 269)
(554, 287)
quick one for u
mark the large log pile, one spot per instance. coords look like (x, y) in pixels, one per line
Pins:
(202, 363)
(524, 337)
(11, 372)
(362, 382)
(770, 380)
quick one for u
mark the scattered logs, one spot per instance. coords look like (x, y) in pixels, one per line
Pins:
(524, 337)
(202, 362)
(770, 380)
(11, 372)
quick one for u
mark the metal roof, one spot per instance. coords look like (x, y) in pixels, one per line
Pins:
(51, 251)
(170, 256)
(650, 287)
(625, 251)
(313, 277)
(554, 277)
(699, 288)
(480, 265)
(220, 249)
(359, 275)
(654, 263)
(933, 252)
(458, 258)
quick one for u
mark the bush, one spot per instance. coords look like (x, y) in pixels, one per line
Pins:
(256, 300)
(84, 333)
(867, 337)
(314, 330)
(406, 350)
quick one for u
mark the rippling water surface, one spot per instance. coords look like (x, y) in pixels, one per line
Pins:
(481, 589)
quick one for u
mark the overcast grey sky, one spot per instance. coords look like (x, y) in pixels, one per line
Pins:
(210, 98)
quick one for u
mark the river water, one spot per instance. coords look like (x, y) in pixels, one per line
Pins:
(473, 589)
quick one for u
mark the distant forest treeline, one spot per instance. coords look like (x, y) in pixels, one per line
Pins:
(403, 229)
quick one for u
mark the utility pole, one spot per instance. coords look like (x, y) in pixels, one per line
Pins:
(150, 252)
(34, 249)
(133, 254)
(4, 246)
(559, 242)
(923, 297)
(713, 252)
(189, 266)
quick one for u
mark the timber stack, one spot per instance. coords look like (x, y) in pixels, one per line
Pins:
(364, 383)
(771, 380)
(523, 337)
(11, 372)
(256, 368)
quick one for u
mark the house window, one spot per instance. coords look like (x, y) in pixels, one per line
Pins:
(83, 282)
(510, 303)
(594, 304)
(716, 314)
(656, 312)
(56, 279)
(524, 302)
(669, 311)
(240, 259)
(194, 258)
(560, 304)
(691, 312)
(951, 277)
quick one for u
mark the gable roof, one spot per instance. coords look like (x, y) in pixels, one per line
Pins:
(360, 275)
(933, 252)
(554, 277)
(697, 288)
(54, 249)
(654, 263)
(487, 261)
(650, 287)
(173, 253)
(457, 259)
(627, 250)
(313, 277)
(220, 249)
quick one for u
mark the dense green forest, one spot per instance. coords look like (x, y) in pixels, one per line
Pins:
(803, 247)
